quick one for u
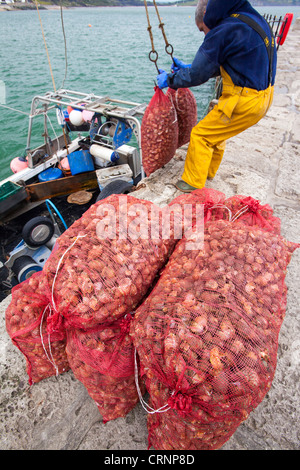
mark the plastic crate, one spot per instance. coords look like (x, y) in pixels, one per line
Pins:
(10, 196)
(8, 189)
(107, 175)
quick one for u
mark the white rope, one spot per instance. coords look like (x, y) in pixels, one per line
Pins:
(51, 358)
(174, 108)
(221, 206)
(144, 404)
(13, 109)
(58, 266)
(239, 213)
(49, 343)
(58, 144)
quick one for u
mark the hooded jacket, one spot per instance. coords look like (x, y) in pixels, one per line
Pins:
(232, 44)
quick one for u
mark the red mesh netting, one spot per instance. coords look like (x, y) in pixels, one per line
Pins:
(207, 335)
(26, 323)
(251, 212)
(96, 278)
(212, 201)
(103, 360)
(243, 209)
(159, 132)
(186, 107)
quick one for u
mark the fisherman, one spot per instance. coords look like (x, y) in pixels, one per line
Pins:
(239, 46)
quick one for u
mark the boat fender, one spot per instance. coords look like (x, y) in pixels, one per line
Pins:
(18, 164)
(285, 26)
(87, 116)
(65, 166)
(76, 118)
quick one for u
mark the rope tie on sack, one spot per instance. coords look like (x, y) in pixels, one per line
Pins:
(174, 109)
(210, 206)
(144, 404)
(179, 400)
(54, 322)
(50, 358)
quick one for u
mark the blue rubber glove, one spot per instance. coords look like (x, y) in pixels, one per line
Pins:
(178, 64)
(162, 79)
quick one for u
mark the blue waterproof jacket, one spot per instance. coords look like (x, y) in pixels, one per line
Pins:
(232, 44)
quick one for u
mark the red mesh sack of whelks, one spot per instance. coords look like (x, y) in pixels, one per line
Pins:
(26, 322)
(207, 335)
(103, 360)
(187, 114)
(159, 132)
(106, 261)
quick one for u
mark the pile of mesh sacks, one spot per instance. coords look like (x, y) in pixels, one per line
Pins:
(137, 311)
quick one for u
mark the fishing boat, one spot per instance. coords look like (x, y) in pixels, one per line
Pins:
(53, 184)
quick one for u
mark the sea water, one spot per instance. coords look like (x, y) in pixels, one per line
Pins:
(107, 53)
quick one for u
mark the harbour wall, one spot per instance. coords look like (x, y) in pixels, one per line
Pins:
(262, 162)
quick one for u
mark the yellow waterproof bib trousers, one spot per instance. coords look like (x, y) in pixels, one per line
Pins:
(238, 108)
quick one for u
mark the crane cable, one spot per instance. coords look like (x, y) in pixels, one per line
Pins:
(153, 55)
(49, 61)
(65, 43)
(169, 48)
(47, 52)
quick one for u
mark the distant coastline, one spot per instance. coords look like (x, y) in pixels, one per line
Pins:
(19, 6)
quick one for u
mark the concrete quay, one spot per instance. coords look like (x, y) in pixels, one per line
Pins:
(262, 162)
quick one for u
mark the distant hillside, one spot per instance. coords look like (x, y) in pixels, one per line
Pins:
(253, 2)
(100, 3)
(106, 3)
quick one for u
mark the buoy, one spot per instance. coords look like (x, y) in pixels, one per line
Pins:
(65, 166)
(87, 115)
(18, 164)
(90, 25)
(76, 118)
